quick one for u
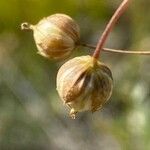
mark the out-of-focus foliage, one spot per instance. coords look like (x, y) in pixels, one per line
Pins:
(32, 115)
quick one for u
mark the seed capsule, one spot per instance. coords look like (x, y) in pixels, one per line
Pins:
(55, 36)
(84, 83)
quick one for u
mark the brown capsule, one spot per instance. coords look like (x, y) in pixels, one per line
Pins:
(84, 83)
(55, 36)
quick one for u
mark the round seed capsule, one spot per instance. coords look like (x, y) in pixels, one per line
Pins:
(55, 36)
(84, 83)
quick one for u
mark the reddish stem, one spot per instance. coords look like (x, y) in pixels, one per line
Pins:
(109, 27)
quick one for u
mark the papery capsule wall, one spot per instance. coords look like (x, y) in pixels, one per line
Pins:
(55, 36)
(84, 84)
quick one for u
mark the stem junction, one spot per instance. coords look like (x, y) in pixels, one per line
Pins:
(118, 51)
(123, 6)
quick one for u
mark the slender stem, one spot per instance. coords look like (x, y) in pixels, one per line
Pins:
(109, 27)
(118, 51)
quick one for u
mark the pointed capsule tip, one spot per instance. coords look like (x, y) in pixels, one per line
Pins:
(26, 26)
(73, 113)
(73, 116)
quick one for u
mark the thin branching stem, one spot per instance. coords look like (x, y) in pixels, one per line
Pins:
(118, 51)
(109, 27)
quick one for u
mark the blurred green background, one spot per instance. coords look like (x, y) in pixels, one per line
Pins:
(32, 116)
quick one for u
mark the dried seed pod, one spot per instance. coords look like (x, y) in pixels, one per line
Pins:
(55, 36)
(84, 83)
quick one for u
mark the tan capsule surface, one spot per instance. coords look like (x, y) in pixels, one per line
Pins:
(84, 84)
(56, 36)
